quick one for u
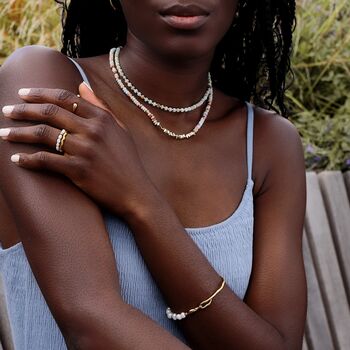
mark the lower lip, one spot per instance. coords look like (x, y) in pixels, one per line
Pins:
(185, 23)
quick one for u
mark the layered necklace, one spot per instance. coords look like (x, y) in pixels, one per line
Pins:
(133, 94)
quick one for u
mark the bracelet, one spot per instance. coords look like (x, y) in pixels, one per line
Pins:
(204, 304)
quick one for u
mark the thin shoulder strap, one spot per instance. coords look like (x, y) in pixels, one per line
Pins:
(83, 75)
(250, 138)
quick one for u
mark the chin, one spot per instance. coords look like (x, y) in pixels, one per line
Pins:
(188, 49)
(182, 46)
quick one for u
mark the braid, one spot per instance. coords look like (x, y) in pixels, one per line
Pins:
(252, 61)
(80, 38)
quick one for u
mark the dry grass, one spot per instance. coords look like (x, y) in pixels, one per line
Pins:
(27, 22)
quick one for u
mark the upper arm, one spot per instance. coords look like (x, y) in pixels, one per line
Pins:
(277, 289)
(60, 227)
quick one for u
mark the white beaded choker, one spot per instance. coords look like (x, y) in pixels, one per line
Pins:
(129, 84)
(134, 100)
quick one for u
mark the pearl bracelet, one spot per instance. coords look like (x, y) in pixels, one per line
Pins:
(204, 304)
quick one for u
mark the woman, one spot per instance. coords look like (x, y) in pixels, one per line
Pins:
(127, 225)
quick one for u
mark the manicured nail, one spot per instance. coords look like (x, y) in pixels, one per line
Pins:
(23, 92)
(15, 158)
(5, 132)
(88, 86)
(7, 110)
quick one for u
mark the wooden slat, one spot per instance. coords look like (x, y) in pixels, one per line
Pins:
(326, 265)
(317, 329)
(347, 182)
(5, 331)
(338, 210)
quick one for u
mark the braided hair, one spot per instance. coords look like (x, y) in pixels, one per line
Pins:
(252, 61)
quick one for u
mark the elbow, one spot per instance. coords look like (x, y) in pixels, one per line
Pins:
(90, 325)
(286, 343)
(79, 328)
(81, 342)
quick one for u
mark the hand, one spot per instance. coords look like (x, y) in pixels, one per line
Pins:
(99, 157)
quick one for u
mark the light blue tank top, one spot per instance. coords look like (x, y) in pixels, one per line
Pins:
(227, 245)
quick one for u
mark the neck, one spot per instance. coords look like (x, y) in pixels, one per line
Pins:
(174, 82)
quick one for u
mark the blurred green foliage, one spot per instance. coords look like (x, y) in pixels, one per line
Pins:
(319, 97)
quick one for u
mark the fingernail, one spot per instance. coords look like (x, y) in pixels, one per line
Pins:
(15, 158)
(23, 92)
(7, 110)
(5, 132)
(88, 86)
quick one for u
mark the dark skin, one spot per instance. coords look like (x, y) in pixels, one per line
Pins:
(175, 190)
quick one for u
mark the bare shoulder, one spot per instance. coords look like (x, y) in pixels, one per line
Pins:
(29, 67)
(272, 124)
(278, 147)
(33, 66)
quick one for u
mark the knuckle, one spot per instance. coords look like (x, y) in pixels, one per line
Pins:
(41, 131)
(63, 95)
(21, 108)
(83, 146)
(37, 92)
(96, 131)
(49, 109)
(41, 158)
(88, 150)
(79, 169)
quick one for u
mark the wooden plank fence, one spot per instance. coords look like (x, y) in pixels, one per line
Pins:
(327, 261)
(326, 250)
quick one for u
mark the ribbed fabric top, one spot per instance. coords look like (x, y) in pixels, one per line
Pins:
(227, 245)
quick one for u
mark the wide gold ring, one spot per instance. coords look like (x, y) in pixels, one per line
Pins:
(75, 107)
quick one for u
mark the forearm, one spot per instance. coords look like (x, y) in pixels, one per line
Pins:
(74, 265)
(110, 324)
(185, 278)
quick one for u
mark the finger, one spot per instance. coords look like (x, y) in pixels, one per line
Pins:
(44, 161)
(47, 113)
(62, 98)
(41, 134)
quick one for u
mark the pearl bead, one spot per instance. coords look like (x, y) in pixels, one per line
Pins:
(119, 75)
(114, 56)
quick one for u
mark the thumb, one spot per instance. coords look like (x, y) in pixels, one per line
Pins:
(87, 93)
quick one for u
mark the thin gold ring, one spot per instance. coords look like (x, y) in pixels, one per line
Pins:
(63, 141)
(75, 107)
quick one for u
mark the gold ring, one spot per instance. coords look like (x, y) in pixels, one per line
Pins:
(60, 140)
(75, 107)
(63, 140)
